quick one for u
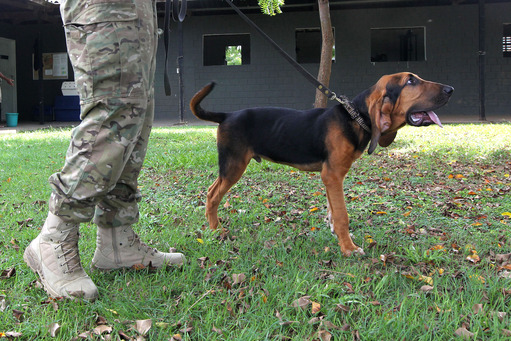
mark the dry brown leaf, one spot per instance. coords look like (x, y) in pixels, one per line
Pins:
(301, 303)
(176, 337)
(328, 325)
(18, 315)
(505, 274)
(427, 288)
(102, 329)
(13, 334)
(316, 307)
(3, 303)
(477, 308)
(473, 258)
(54, 329)
(499, 314)
(503, 258)
(324, 335)
(341, 308)
(143, 326)
(464, 333)
(238, 278)
(100, 320)
(7, 273)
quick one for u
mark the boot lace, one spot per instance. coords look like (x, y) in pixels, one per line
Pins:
(135, 240)
(70, 254)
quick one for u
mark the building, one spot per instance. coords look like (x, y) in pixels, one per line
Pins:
(463, 43)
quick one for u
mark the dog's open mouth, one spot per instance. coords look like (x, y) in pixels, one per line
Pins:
(423, 118)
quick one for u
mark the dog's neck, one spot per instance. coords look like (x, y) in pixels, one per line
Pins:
(359, 104)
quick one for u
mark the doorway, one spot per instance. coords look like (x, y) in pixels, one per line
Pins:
(8, 68)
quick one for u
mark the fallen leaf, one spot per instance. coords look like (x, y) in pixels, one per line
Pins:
(216, 330)
(143, 326)
(503, 258)
(505, 274)
(238, 278)
(18, 315)
(427, 288)
(464, 333)
(316, 307)
(324, 335)
(473, 258)
(328, 325)
(8, 273)
(477, 308)
(54, 329)
(341, 308)
(12, 334)
(124, 336)
(301, 303)
(102, 329)
(499, 314)
(426, 279)
(3, 303)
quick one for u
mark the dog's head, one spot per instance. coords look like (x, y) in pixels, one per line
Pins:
(402, 98)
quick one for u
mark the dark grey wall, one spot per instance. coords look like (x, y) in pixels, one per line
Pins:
(451, 52)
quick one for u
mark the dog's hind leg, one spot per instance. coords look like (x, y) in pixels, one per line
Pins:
(230, 173)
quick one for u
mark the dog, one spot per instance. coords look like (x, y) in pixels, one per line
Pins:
(325, 140)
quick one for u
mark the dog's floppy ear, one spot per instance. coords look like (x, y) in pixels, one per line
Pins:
(380, 107)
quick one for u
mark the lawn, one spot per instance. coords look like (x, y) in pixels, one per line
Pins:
(432, 212)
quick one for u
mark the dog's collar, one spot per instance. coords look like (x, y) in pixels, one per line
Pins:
(355, 115)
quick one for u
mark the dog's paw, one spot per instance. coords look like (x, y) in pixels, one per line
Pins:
(356, 251)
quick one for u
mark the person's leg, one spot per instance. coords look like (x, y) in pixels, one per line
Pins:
(113, 105)
(118, 246)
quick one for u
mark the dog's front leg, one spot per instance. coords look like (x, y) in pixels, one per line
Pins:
(338, 215)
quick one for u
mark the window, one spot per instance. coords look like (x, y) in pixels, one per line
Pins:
(400, 44)
(506, 40)
(226, 49)
(308, 45)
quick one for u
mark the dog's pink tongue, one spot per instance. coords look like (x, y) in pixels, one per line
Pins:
(434, 118)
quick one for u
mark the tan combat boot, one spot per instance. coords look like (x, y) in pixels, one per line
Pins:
(120, 247)
(53, 255)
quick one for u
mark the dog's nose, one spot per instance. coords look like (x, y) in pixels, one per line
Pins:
(448, 90)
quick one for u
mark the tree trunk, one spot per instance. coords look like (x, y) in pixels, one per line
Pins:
(325, 65)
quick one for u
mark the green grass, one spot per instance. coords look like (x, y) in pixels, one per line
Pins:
(419, 208)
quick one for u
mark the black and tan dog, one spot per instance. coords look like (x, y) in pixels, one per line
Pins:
(320, 140)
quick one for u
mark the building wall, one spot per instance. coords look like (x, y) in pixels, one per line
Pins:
(451, 58)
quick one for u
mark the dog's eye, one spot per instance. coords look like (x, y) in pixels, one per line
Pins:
(411, 81)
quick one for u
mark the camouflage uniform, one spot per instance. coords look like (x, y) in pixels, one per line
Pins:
(107, 149)
(112, 46)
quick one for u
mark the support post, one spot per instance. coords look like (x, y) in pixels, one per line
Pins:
(482, 60)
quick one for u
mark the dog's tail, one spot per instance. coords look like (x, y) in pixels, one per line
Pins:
(198, 111)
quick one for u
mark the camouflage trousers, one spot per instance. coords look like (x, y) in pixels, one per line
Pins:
(114, 65)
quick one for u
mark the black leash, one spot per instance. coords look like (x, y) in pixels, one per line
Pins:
(172, 8)
(326, 91)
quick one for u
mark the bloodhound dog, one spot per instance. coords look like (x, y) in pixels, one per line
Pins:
(325, 140)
